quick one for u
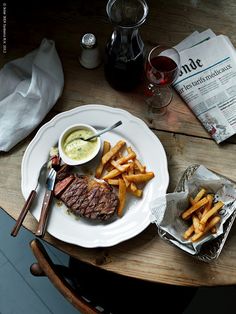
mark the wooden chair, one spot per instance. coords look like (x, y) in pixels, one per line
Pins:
(93, 290)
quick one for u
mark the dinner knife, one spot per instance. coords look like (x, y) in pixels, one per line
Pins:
(50, 182)
(27, 204)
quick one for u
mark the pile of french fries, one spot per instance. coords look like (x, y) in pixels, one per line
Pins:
(203, 214)
(120, 167)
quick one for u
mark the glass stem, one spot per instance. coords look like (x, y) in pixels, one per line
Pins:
(155, 90)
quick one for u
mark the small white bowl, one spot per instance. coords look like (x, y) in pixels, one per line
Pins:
(75, 162)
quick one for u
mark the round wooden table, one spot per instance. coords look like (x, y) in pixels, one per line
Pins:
(145, 256)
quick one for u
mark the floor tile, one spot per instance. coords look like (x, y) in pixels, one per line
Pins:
(16, 253)
(16, 296)
(3, 259)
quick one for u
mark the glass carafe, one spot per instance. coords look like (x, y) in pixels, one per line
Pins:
(124, 55)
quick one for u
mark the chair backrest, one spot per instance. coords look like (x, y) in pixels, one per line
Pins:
(45, 267)
(93, 290)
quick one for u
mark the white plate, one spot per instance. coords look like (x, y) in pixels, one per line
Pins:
(136, 217)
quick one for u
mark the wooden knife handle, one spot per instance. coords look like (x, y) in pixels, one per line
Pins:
(44, 214)
(23, 213)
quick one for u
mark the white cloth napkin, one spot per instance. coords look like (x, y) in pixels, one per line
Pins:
(29, 88)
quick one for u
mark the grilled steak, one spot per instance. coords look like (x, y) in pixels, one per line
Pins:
(87, 197)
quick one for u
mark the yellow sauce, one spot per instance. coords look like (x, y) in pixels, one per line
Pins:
(77, 149)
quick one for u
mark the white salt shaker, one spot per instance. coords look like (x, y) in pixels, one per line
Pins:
(90, 56)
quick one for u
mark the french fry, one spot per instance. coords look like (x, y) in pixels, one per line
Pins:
(127, 183)
(199, 213)
(191, 200)
(111, 174)
(212, 212)
(196, 223)
(131, 169)
(113, 151)
(209, 204)
(199, 195)
(209, 226)
(197, 198)
(188, 232)
(134, 190)
(121, 196)
(108, 167)
(99, 169)
(106, 147)
(137, 192)
(115, 172)
(141, 177)
(124, 159)
(130, 150)
(139, 166)
(119, 167)
(133, 187)
(113, 181)
(116, 165)
(186, 214)
(118, 156)
(206, 209)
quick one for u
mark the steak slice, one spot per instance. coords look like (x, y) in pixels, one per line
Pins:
(63, 172)
(62, 185)
(87, 197)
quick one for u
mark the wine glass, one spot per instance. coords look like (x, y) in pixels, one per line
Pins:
(162, 69)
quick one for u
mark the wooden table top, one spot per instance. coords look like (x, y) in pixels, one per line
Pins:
(186, 142)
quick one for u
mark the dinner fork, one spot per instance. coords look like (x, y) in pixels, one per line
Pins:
(50, 182)
(27, 204)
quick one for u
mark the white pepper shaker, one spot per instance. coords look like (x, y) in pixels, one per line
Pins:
(90, 56)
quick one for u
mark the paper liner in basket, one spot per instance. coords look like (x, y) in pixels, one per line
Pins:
(167, 210)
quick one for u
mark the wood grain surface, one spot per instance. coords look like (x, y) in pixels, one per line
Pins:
(186, 142)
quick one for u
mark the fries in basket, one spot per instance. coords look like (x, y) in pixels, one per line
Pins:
(203, 213)
(120, 167)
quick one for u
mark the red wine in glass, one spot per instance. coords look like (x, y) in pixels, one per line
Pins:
(162, 69)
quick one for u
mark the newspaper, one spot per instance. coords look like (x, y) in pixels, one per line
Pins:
(207, 81)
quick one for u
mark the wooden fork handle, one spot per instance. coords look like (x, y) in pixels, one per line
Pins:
(23, 213)
(44, 214)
